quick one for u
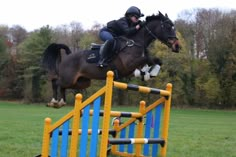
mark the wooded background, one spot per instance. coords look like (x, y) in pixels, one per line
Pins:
(203, 74)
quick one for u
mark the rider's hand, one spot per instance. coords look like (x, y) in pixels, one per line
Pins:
(137, 27)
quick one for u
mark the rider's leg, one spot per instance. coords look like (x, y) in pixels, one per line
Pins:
(105, 35)
(105, 52)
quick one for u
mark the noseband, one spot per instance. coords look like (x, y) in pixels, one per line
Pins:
(153, 35)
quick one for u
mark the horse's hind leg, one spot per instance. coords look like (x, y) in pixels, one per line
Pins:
(54, 88)
(62, 101)
(54, 100)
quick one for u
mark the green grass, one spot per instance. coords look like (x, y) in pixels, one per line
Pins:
(192, 132)
(202, 133)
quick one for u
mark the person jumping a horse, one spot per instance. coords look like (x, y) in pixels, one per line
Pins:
(127, 25)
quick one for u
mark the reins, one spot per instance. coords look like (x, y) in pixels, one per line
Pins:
(129, 43)
(150, 32)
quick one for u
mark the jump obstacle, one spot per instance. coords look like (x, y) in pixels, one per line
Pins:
(138, 136)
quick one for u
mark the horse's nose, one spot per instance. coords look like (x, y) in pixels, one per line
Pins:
(176, 46)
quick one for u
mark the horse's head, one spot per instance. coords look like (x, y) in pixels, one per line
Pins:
(162, 28)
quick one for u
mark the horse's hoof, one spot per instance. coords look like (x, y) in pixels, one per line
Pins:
(62, 103)
(50, 104)
(56, 106)
(59, 105)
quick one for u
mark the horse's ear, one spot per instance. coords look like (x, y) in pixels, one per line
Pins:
(160, 14)
(166, 15)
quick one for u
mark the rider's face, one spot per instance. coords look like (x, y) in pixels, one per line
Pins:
(134, 19)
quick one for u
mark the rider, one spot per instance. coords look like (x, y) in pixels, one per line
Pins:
(127, 25)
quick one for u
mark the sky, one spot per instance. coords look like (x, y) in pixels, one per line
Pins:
(34, 14)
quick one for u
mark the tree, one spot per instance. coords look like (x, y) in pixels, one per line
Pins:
(3, 46)
(76, 34)
(222, 56)
(175, 70)
(206, 85)
(3, 49)
(19, 34)
(210, 36)
(186, 28)
(5, 61)
(31, 51)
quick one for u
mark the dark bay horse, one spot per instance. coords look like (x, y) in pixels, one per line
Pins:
(73, 71)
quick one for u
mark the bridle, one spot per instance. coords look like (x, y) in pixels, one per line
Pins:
(150, 32)
(154, 36)
(130, 43)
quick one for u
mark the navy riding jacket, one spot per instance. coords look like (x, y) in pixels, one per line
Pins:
(123, 26)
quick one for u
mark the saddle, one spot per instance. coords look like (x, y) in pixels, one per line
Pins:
(95, 46)
(93, 55)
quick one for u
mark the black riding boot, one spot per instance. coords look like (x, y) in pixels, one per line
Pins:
(105, 53)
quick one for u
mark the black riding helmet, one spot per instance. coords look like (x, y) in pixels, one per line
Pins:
(134, 11)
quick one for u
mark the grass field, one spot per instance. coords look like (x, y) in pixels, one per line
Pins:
(192, 132)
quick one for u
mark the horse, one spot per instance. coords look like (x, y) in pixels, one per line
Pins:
(76, 70)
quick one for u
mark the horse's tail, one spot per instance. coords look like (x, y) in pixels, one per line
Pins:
(52, 56)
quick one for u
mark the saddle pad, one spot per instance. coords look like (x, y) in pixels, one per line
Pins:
(93, 56)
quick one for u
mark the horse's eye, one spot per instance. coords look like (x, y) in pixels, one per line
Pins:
(169, 27)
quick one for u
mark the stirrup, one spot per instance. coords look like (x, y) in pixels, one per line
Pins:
(102, 63)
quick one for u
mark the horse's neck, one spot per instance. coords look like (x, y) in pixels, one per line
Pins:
(130, 58)
(137, 54)
(142, 36)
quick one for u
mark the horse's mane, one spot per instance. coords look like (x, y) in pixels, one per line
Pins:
(158, 16)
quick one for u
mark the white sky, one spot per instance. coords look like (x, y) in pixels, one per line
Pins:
(33, 14)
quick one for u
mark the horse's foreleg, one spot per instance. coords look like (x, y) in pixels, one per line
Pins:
(137, 63)
(155, 65)
(153, 61)
(150, 69)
